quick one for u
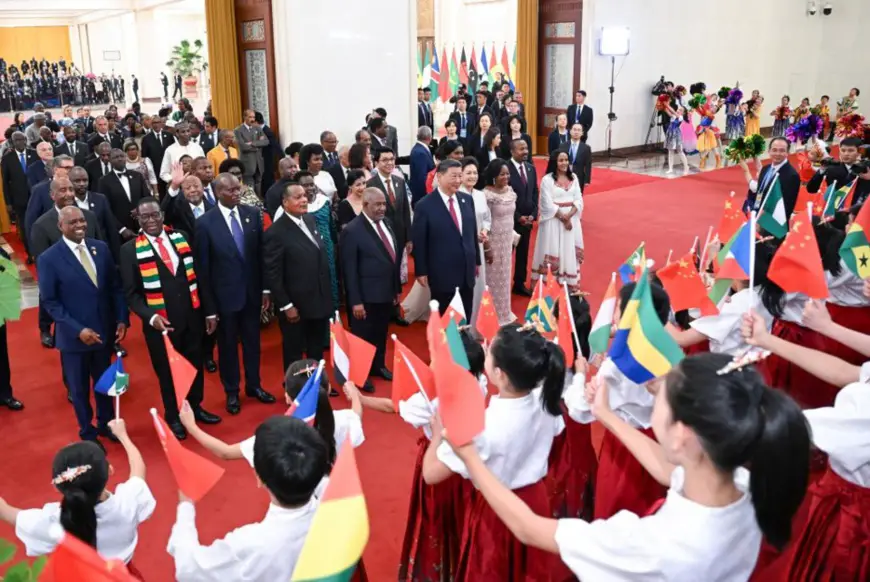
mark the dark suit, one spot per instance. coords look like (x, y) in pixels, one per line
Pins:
(449, 259)
(557, 140)
(40, 202)
(75, 303)
(113, 140)
(82, 152)
(337, 171)
(478, 111)
(842, 177)
(99, 205)
(421, 164)
(789, 182)
(272, 199)
(122, 205)
(178, 214)
(585, 118)
(153, 149)
(231, 287)
(16, 189)
(527, 205)
(297, 272)
(187, 322)
(470, 124)
(425, 116)
(581, 161)
(96, 170)
(371, 279)
(207, 141)
(36, 173)
(398, 209)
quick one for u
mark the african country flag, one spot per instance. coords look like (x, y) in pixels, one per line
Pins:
(855, 250)
(339, 530)
(484, 66)
(444, 89)
(772, 217)
(463, 67)
(434, 75)
(472, 72)
(836, 198)
(599, 335)
(507, 67)
(427, 71)
(114, 381)
(540, 310)
(454, 73)
(419, 69)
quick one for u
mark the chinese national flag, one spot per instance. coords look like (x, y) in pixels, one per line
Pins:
(183, 372)
(75, 561)
(552, 290)
(732, 220)
(797, 264)
(194, 475)
(410, 375)
(564, 334)
(487, 319)
(685, 287)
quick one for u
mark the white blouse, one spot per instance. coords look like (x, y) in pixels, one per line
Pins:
(552, 193)
(418, 413)
(632, 402)
(515, 443)
(325, 182)
(682, 542)
(843, 430)
(259, 552)
(793, 308)
(118, 519)
(723, 330)
(846, 289)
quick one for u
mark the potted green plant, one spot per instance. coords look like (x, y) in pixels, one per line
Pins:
(22, 571)
(187, 60)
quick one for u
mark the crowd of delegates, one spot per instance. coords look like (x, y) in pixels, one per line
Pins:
(529, 498)
(57, 83)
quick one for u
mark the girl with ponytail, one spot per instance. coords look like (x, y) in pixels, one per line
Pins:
(528, 372)
(106, 521)
(710, 419)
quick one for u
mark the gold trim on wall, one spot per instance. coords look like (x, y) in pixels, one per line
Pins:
(526, 74)
(223, 60)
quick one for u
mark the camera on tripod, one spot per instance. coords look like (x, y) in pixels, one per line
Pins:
(659, 88)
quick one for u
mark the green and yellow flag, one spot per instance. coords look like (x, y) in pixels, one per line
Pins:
(340, 528)
(855, 250)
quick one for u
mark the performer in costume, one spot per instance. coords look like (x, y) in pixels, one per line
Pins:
(708, 133)
(781, 116)
(690, 140)
(753, 114)
(823, 110)
(803, 110)
(735, 122)
(674, 138)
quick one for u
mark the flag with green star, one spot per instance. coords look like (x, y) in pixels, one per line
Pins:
(855, 250)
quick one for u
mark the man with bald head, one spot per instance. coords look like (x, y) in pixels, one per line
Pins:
(40, 195)
(228, 253)
(13, 167)
(370, 259)
(288, 168)
(224, 149)
(37, 172)
(339, 171)
(80, 288)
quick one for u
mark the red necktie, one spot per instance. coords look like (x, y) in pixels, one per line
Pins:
(523, 174)
(386, 241)
(390, 192)
(452, 208)
(164, 254)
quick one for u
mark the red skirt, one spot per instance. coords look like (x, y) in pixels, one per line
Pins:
(622, 482)
(854, 318)
(134, 572)
(571, 473)
(835, 544)
(491, 553)
(699, 348)
(433, 533)
(806, 389)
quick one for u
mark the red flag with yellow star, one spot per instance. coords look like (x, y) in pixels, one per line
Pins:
(797, 264)
(487, 318)
(732, 219)
(685, 287)
(75, 561)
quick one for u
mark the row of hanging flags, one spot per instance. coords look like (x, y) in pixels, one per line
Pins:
(443, 77)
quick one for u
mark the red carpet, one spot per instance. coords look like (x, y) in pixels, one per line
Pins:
(666, 214)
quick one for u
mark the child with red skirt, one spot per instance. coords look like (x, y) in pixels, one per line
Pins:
(433, 533)
(711, 420)
(622, 482)
(521, 422)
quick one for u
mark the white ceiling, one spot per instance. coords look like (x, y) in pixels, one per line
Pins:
(18, 13)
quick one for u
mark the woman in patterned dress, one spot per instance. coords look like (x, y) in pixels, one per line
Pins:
(502, 202)
(137, 163)
(319, 207)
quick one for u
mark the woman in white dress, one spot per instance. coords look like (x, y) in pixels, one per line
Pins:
(484, 223)
(311, 159)
(560, 236)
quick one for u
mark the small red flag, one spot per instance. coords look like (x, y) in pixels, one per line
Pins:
(410, 375)
(75, 561)
(194, 475)
(487, 318)
(183, 372)
(351, 356)
(552, 289)
(685, 287)
(564, 328)
(797, 264)
(732, 220)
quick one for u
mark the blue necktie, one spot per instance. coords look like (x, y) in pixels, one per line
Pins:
(23, 161)
(573, 152)
(238, 235)
(767, 179)
(208, 195)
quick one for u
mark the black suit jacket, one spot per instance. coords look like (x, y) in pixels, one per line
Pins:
(470, 124)
(527, 194)
(45, 232)
(399, 214)
(842, 176)
(477, 112)
(178, 214)
(83, 152)
(96, 139)
(556, 140)
(582, 162)
(153, 150)
(370, 274)
(122, 206)
(99, 205)
(174, 287)
(425, 116)
(206, 142)
(36, 173)
(297, 269)
(272, 199)
(789, 182)
(337, 173)
(16, 190)
(94, 168)
(586, 118)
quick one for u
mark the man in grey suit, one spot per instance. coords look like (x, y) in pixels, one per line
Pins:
(251, 141)
(45, 232)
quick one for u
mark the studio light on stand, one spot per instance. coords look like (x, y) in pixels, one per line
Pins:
(614, 42)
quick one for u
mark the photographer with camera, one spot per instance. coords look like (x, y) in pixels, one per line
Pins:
(849, 167)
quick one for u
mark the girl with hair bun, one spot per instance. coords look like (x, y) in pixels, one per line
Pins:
(528, 372)
(106, 521)
(710, 418)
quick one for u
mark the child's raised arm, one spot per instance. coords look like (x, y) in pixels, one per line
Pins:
(215, 446)
(134, 457)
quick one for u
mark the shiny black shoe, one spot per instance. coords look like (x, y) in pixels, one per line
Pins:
(210, 366)
(203, 416)
(368, 388)
(400, 322)
(260, 395)
(233, 404)
(46, 339)
(383, 373)
(107, 433)
(178, 430)
(521, 290)
(12, 404)
(119, 349)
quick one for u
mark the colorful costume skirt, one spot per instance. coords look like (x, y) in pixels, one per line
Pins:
(779, 127)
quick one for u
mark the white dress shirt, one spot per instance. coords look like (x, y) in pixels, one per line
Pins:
(164, 238)
(631, 402)
(197, 208)
(83, 204)
(753, 184)
(173, 155)
(227, 214)
(265, 551)
(118, 519)
(125, 183)
(456, 204)
(75, 251)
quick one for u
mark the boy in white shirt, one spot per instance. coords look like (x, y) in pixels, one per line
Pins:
(290, 460)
